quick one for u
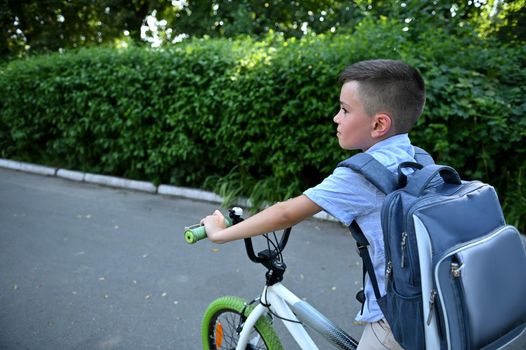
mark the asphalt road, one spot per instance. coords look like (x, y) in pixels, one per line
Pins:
(90, 267)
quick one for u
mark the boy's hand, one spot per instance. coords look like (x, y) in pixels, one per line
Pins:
(214, 223)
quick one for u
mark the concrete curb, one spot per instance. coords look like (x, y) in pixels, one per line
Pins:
(120, 183)
(191, 193)
(117, 182)
(71, 175)
(26, 167)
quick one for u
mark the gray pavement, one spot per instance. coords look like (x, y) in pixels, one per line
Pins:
(89, 267)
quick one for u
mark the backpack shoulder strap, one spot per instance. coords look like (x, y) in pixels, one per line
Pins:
(362, 243)
(373, 171)
(377, 174)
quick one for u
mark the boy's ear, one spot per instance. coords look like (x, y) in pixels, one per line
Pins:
(382, 124)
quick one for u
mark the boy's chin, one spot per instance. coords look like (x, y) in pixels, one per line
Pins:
(351, 148)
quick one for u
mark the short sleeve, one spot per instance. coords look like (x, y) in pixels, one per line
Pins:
(345, 195)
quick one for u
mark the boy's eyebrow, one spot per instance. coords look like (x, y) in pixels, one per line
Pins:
(345, 104)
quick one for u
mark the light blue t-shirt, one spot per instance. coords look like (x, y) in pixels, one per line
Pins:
(347, 196)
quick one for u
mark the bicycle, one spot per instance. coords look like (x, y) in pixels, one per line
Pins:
(233, 323)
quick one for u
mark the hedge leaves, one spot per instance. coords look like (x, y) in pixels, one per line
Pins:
(254, 118)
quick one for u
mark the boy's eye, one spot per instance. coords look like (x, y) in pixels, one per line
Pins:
(344, 110)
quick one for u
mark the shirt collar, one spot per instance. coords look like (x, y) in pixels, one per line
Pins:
(399, 140)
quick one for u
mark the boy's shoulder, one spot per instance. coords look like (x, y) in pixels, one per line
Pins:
(393, 150)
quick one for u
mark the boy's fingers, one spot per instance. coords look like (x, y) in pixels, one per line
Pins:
(216, 215)
(206, 218)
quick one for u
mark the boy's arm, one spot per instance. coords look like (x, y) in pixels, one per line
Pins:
(279, 216)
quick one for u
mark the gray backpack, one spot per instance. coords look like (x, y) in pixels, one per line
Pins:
(455, 272)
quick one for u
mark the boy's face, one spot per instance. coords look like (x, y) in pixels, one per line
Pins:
(354, 125)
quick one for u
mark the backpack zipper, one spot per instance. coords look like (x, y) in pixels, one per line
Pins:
(431, 306)
(388, 271)
(456, 267)
(403, 246)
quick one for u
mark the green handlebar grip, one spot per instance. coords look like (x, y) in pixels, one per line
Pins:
(197, 232)
(193, 234)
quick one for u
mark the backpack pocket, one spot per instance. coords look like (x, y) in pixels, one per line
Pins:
(486, 278)
(404, 313)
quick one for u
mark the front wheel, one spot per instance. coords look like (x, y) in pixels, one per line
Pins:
(220, 327)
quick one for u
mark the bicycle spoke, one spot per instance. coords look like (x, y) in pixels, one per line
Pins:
(229, 322)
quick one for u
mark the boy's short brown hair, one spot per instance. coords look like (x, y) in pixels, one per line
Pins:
(391, 87)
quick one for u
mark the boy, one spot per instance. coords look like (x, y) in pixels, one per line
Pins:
(380, 101)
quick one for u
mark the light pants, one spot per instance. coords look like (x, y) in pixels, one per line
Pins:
(378, 336)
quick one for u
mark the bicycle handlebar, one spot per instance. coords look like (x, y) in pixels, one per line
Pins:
(197, 232)
(260, 257)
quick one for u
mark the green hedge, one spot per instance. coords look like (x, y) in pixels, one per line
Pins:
(254, 118)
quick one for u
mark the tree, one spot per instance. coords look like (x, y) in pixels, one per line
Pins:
(254, 17)
(504, 19)
(51, 25)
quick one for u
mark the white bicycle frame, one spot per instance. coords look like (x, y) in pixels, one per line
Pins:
(284, 303)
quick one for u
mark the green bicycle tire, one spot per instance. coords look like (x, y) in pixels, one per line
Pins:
(235, 305)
